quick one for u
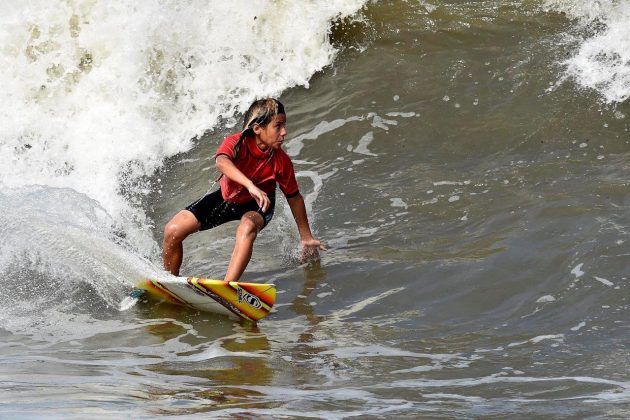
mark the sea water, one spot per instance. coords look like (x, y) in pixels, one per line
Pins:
(465, 162)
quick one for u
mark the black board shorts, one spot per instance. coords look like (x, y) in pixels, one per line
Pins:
(212, 210)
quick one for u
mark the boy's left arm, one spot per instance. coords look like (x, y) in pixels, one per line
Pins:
(310, 245)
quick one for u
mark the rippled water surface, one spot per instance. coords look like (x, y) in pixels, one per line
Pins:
(466, 162)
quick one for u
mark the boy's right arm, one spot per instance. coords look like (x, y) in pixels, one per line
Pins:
(310, 245)
(225, 165)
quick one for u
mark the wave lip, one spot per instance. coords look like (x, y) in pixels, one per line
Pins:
(96, 94)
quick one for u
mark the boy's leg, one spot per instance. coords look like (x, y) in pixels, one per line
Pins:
(251, 223)
(176, 230)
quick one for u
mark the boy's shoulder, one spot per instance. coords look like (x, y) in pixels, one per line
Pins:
(228, 145)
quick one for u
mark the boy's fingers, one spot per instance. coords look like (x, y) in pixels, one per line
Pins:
(265, 203)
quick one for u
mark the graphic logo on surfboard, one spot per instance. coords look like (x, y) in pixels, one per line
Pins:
(248, 298)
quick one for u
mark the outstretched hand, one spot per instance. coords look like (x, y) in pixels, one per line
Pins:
(310, 250)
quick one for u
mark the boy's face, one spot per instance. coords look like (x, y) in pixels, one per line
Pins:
(272, 135)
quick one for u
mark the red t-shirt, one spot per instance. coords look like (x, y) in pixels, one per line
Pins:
(263, 168)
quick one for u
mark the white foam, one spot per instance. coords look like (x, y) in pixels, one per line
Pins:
(440, 183)
(540, 338)
(379, 122)
(398, 202)
(294, 146)
(364, 142)
(401, 114)
(578, 326)
(546, 299)
(585, 10)
(618, 390)
(318, 182)
(604, 281)
(453, 198)
(577, 271)
(385, 351)
(359, 306)
(601, 62)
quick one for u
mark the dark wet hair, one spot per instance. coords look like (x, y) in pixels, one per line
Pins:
(260, 112)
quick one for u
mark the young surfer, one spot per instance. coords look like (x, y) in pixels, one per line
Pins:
(251, 164)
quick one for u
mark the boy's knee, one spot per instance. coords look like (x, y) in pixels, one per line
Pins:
(172, 232)
(248, 227)
(180, 226)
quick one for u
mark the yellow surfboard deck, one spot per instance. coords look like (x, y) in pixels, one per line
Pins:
(250, 301)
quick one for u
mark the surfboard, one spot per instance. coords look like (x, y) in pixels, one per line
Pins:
(250, 301)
